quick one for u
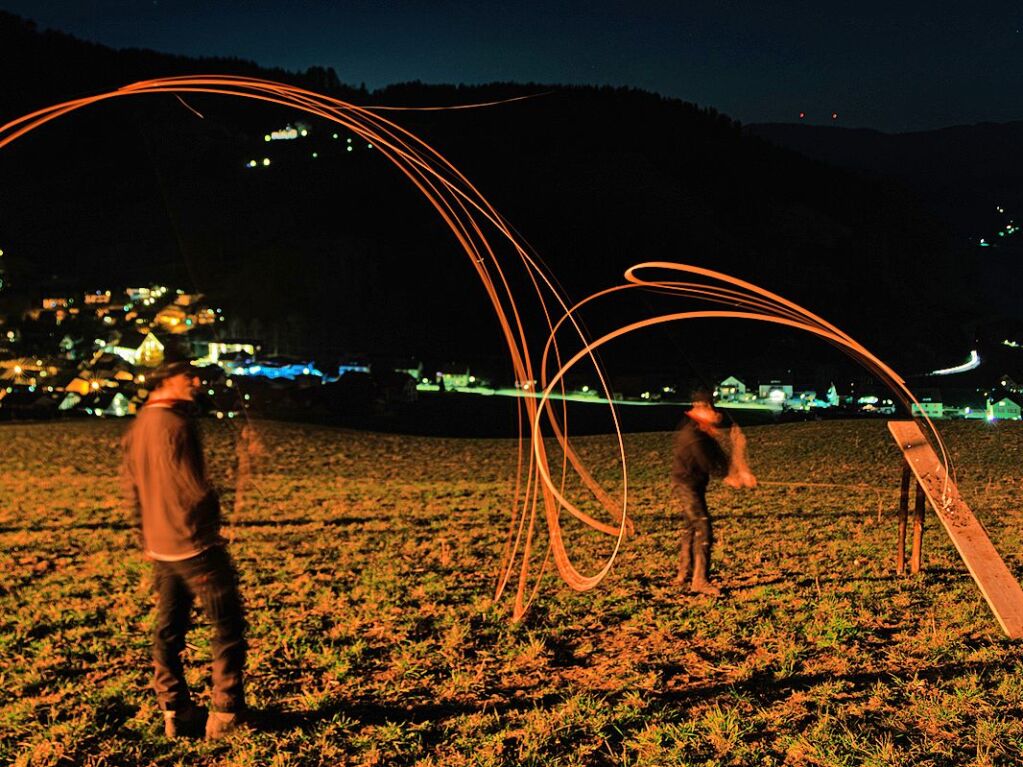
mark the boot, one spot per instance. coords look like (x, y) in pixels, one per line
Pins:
(221, 724)
(185, 723)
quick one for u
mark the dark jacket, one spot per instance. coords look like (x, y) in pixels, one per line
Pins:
(696, 456)
(164, 477)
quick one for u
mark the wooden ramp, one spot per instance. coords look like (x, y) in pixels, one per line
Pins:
(999, 587)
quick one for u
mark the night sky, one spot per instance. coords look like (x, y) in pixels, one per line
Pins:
(891, 66)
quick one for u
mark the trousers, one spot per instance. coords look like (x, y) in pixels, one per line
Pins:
(697, 534)
(211, 578)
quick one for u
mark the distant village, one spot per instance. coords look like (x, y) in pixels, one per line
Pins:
(88, 354)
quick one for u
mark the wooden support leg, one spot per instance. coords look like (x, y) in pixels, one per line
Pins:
(900, 552)
(918, 531)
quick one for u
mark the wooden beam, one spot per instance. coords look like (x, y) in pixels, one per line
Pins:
(918, 532)
(900, 552)
(1001, 590)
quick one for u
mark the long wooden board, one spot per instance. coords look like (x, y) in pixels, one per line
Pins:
(1001, 590)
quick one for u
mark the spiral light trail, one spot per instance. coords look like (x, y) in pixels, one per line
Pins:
(482, 233)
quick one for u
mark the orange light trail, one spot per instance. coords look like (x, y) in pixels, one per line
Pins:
(471, 218)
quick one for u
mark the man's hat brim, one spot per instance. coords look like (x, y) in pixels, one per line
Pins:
(170, 369)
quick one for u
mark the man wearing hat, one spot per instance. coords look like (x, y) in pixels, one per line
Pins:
(164, 476)
(696, 457)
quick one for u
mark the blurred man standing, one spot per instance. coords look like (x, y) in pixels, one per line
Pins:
(164, 476)
(696, 457)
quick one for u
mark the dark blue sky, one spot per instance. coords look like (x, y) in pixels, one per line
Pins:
(893, 66)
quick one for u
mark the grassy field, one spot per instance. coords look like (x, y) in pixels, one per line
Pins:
(368, 565)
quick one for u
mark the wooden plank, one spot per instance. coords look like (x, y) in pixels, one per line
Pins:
(1001, 590)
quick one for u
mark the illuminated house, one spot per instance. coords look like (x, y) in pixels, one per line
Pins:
(173, 319)
(184, 314)
(454, 376)
(731, 389)
(1004, 409)
(774, 393)
(99, 403)
(145, 350)
(804, 399)
(931, 404)
(353, 363)
(80, 385)
(98, 297)
(288, 133)
(233, 346)
(146, 295)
